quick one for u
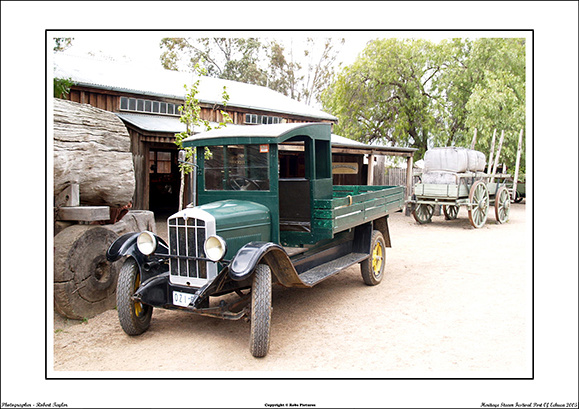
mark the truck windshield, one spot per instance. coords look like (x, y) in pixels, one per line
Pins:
(237, 167)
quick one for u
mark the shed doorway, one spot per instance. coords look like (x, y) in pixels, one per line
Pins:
(164, 182)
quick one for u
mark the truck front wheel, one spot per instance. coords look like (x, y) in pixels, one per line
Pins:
(134, 316)
(373, 267)
(260, 311)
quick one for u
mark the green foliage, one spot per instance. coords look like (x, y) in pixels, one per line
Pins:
(227, 58)
(191, 117)
(62, 87)
(412, 92)
(62, 43)
(383, 97)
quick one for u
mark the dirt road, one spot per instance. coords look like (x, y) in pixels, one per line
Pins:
(455, 302)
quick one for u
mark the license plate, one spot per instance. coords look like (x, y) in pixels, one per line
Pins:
(182, 299)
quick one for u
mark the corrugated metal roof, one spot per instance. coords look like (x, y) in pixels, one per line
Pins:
(160, 123)
(156, 81)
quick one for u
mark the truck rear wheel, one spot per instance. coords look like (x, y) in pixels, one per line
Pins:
(373, 267)
(134, 316)
(260, 311)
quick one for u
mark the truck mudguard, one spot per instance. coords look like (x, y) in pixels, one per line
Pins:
(250, 255)
(126, 245)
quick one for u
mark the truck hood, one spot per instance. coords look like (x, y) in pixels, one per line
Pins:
(239, 222)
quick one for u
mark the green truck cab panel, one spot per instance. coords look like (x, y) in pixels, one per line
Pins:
(239, 222)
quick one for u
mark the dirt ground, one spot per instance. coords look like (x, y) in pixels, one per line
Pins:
(455, 302)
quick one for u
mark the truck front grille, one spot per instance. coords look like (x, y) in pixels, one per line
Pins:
(186, 239)
(188, 230)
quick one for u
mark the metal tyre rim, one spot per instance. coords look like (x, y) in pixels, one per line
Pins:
(479, 204)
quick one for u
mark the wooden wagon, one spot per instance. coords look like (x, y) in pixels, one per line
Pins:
(476, 191)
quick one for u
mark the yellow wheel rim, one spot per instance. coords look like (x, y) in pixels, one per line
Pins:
(138, 305)
(377, 259)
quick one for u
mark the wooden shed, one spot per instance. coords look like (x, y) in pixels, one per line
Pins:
(147, 100)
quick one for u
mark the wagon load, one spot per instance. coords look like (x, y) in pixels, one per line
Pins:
(454, 160)
(442, 166)
(92, 148)
(94, 182)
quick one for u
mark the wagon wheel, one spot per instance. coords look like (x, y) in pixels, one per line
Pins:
(450, 211)
(84, 281)
(502, 205)
(260, 311)
(423, 213)
(479, 204)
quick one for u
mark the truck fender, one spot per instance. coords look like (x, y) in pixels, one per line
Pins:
(126, 245)
(250, 255)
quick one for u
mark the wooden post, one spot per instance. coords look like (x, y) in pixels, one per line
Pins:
(473, 143)
(409, 184)
(489, 167)
(498, 155)
(519, 148)
(370, 179)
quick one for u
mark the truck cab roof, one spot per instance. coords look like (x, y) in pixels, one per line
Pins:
(260, 134)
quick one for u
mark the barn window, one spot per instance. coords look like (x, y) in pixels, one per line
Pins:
(261, 119)
(159, 162)
(146, 105)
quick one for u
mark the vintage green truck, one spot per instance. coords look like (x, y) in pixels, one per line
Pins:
(267, 213)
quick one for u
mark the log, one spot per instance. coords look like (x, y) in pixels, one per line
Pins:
(92, 147)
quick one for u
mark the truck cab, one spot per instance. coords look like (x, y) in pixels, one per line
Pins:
(267, 213)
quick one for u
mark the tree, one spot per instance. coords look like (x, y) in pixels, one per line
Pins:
(233, 59)
(420, 94)
(384, 95)
(283, 75)
(498, 98)
(61, 86)
(265, 62)
(191, 117)
(320, 68)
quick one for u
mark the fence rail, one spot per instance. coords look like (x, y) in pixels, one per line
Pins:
(397, 177)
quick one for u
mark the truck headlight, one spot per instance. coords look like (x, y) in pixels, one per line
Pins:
(215, 248)
(146, 243)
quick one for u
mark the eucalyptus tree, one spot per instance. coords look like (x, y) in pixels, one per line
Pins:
(385, 95)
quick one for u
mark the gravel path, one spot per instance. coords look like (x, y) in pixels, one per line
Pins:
(455, 302)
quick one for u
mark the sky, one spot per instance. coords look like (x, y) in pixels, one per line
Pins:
(143, 47)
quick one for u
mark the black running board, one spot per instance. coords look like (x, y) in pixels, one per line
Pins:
(323, 271)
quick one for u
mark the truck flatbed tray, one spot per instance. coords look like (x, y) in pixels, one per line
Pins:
(355, 205)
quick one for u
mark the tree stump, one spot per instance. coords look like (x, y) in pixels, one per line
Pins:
(84, 281)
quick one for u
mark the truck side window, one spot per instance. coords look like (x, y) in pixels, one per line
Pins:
(237, 167)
